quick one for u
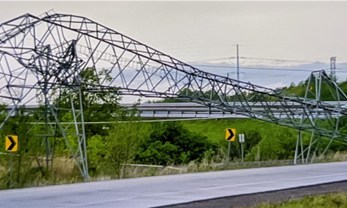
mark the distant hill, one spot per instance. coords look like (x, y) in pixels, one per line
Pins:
(265, 77)
(272, 75)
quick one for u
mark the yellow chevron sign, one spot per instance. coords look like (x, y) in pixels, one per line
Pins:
(230, 134)
(11, 143)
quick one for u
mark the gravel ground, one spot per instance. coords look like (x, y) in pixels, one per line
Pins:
(251, 200)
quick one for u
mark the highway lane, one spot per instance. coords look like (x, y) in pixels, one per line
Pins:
(165, 190)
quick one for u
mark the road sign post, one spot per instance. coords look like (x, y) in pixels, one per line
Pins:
(228, 153)
(11, 172)
(241, 141)
(11, 145)
(230, 135)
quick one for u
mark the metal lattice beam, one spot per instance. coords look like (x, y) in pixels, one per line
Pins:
(40, 56)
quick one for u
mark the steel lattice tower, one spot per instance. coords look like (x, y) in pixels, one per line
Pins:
(42, 56)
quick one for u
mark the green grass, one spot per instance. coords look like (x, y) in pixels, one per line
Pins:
(320, 201)
(214, 129)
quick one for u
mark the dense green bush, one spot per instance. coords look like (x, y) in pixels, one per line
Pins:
(171, 143)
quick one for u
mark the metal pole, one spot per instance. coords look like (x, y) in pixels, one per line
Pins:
(11, 170)
(242, 152)
(296, 148)
(45, 92)
(237, 63)
(237, 72)
(84, 140)
(228, 156)
(241, 141)
(302, 148)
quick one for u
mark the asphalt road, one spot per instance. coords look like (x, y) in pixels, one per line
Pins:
(166, 190)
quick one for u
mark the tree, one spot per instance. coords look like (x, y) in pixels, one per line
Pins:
(171, 143)
(98, 104)
(109, 154)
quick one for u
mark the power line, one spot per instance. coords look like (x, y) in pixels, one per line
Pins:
(255, 58)
(214, 59)
(255, 68)
(275, 59)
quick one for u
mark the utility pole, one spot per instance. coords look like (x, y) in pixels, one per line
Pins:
(237, 70)
(237, 63)
(333, 68)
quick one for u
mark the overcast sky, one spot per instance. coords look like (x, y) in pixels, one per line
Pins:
(199, 30)
(195, 31)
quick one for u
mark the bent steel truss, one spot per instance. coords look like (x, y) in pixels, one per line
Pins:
(40, 56)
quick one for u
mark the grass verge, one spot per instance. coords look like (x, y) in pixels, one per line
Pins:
(337, 200)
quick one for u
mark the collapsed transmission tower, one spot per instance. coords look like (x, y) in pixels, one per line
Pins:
(41, 56)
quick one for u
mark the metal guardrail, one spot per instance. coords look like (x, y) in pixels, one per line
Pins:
(196, 110)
